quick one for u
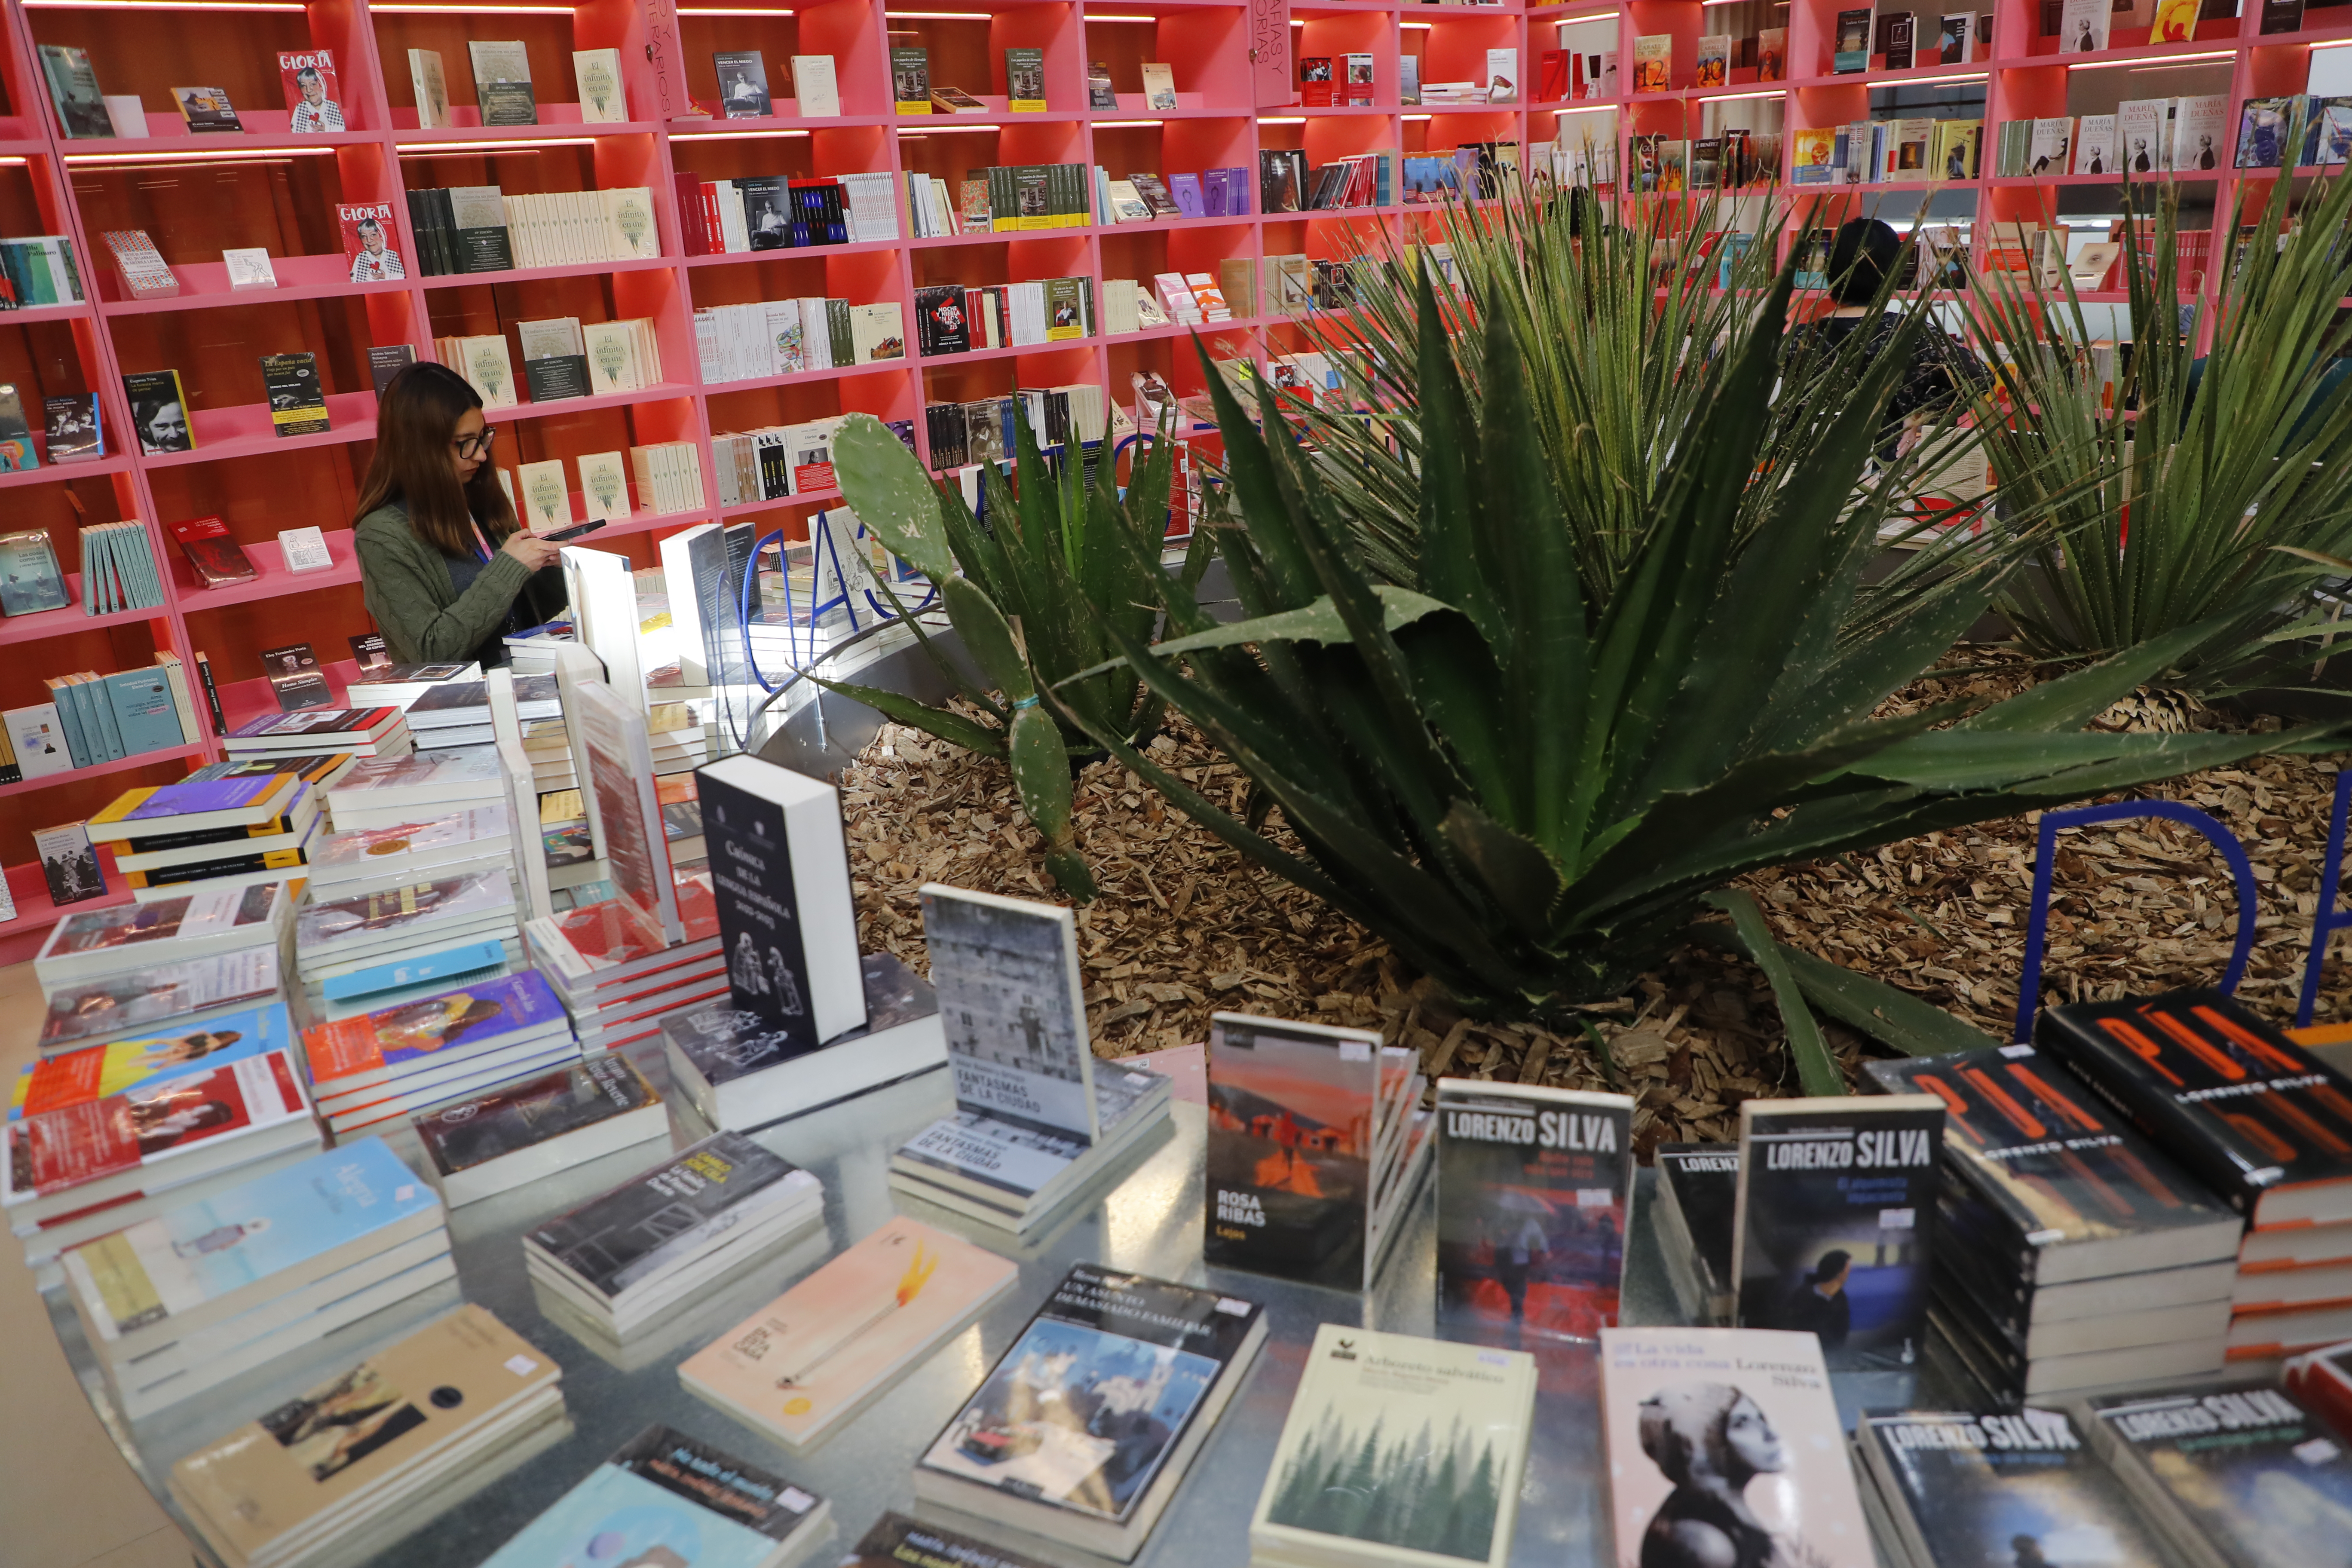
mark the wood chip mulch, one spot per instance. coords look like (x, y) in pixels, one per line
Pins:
(1186, 926)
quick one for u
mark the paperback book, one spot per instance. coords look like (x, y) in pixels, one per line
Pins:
(1966, 1488)
(517, 1133)
(2233, 1478)
(780, 875)
(94, 1072)
(670, 1500)
(313, 93)
(92, 1013)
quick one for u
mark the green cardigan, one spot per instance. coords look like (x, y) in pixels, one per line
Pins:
(419, 610)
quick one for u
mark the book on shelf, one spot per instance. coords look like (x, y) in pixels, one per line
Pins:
(39, 269)
(29, 579)
(303, 550)
(628, 1254)
(1356, 85)
(1000, 1459)
(313, 91)
(69, 863)
(1101, 93)
(74, 92)
(2175, 21)
(17, 453)
(1361, 1401)
(604, 100)
(517, 1133)
(604, 486)
(663, 1490)
(955, 101)
(297, 404)
(430, 85)
(816, 91)
(118, 569)
(910, 78)
(484, 362)
(159, 411)
(206, 111)
(1849, 41)
(36, 741)
(835, 1341)
(248, 269)
(1317, 81)
(72, 428)
(2281, 16)
(1689, 1415)
(368, 249)
(386, 361)
(1958, 1484)
(742, 84)
(502, 85)
(125, 113)
(295, 677)
(1024, 80)
(1158, 87)
(1535, 1195)
(212, 552)
(2276, 1155)
(344, 1459)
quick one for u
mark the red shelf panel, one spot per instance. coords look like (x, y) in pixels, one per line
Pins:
(203, 285)
(245, 431)
(531, 274)
(120, 766)
(54, 473)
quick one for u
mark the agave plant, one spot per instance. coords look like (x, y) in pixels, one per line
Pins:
(1015, 591)
(1622, 329)
(1528, 793)
(2213, 496)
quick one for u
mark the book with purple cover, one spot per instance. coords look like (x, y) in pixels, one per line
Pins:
(185, 799)
(1187, 190)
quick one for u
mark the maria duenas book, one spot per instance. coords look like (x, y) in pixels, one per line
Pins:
(1967, 1488)
(2237, 1478)
(1836, 1220)
(1533, 1196)
(1084, 1429)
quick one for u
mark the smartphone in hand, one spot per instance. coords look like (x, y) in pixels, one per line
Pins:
(575, 532)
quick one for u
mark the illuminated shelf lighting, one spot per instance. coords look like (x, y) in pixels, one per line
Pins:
(1766, 93)
(1938, 80)
(1122, 18)
(946, 130)
(1589, 109)
(735, 135)
(728, 11)
(1410, 118)
(221, 155)
(939, 16)
(1124, 124)
(2166, 64)
(1424, 27)
(418, 149)
(1282, 120)
(420, 5)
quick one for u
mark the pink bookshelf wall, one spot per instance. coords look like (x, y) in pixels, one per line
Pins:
(1233, 63)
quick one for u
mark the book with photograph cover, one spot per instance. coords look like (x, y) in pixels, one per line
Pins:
(159, 411)
(131, 1058)
(1294, 1114)
(297, 403)
(213, 551)
(75, 432)
(76, 1156)
(1084, 1429)
(1158, 87)
(69, 863)
(370, 249)
(74, 92)
(2235, 1477)
(672, 1212)
(1836, 1222)
(314, 98)
(1851, 41)
(1725, 1445)
(1006, 970)
(2083, 25)
(898, 1541)
(1101, 93)
(29, 578)
(86, 1014)
(17, 453)
(780, 874)
(1024, 80)
(1968, 1488)
(206, 110)
(910, 78)
(742, 84)
(1535, 1192)
(475, 1020)
(295, 677)
(670, 1500)
(1380, 1423)
(827, 1347)
(367, 919)
(540, 1125)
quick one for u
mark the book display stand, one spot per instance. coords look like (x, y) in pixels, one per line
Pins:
(1220, 91)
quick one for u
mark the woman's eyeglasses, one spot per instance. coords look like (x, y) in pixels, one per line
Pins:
(476, 445)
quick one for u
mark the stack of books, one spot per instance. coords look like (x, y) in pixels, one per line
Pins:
(362, 944)
(87, 1013)
(678, 741)
(740, 1072)
(665, 1487)
(129, 1056)
(367, 859)
(82, 1169)
(1035, 1124)
(2225, 1476)
(2069, 1253)
(388, 791)
(385, 1066)
(215, 1286)
(614, 971)
(126, 938)
(625, 1257)
(486, 1144)
(362, 732)
(219, 833)
(452, 713)
(357, 1461)
(2264, 1123)
(398, 685)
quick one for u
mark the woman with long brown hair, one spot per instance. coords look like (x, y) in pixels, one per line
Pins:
(446, 568)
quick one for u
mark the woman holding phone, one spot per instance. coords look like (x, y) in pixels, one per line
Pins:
(446, 568)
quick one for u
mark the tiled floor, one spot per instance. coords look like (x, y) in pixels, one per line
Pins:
(67, 1499)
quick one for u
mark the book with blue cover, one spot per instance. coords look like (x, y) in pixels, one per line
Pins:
(480, 1017)
(669, 1499)
(200, 1261)
(80, 1078)
(143, 711)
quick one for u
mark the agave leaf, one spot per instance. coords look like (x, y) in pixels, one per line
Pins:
(988, 638)
(1517, 875)
(1318, 623)
(1817, 1069)
(1886, 1013)
(953, 728)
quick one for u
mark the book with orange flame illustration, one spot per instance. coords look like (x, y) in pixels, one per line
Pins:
(819, 1352)
(2259, 1119)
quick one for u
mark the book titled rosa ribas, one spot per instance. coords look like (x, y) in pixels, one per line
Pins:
(1084, 1429)
(626, 1255)
(364, 1453)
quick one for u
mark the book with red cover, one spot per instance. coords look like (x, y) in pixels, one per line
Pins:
(218, 559)
(370, 242)
(1552, 85)
(377, 1048)
(2263, 1122)
(314, 98)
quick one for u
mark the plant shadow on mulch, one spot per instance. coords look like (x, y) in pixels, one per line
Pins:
(1186, 927)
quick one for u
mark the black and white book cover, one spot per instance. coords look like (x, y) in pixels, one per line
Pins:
(295, 676)
(69, 863)
(1095, 1397)
(1014, 1008)
(74, 430)
(743, 85)
(2250, 1470)
(1977, 1490)
(779, 876)
(671, 1213)
(1019, 1159)
(516, 1117)
(1835, 1222)
(1703, 1181)
(726, 1042)
(159, 411)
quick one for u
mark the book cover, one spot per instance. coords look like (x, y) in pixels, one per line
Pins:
(17, 453)
(295, 677)
(780, 874)
(2083, 25)
(73, 427)
(69, 863)
(29, 578)
(657, 1219)
(1382, 1422)
(1972, 1488)
(313, 94)
(1654, 56)
(1851, 41)
(1101, 93)
(1714, 66)
(206, 111)
(120, 1006)
(1900, 47)
(2264, 1123)
(297, 404)
(726, 1043)
(2094, 144)
(1024, 80)
(77, 1144)
(198, 1252)
(1952, 37)
(2262, 1480)
(1006, 970)
(479, 1018)
(1294, 1110)
(667, 1500)
(2201, 138)
(159, 411)
(897, 1542)
(1534, 1197)
(742, 84)
(2261, 132)
(2143, 128)
(1725, 1446)
(430, 85)
(1836, 1222)
(1101, 1388)
(603, 99)
(516, 1117)
(368, 246)
(1698, 1186)
(213, 551)
(821, 1348)
(502, 87)
(1317, 81)
(355, 1432)
(910, 80)
(386, 361)
(2176, 21)
(816, 89)
(2047, 1156)
(1357, 69)
(450, 900)
(1158, 87)
(74, 92)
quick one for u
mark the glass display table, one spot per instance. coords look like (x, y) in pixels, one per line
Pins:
(1148, 1221)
